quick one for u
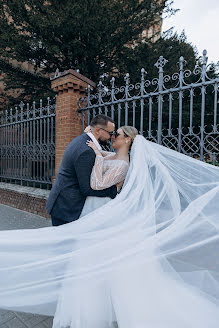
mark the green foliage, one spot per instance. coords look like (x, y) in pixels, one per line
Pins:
(171, 47)
(90, 35)
(24, 85)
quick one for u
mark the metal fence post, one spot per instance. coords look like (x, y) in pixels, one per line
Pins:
(160, 65)
(203, 91)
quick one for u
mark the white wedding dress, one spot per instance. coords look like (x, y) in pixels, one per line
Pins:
(106, 172)
(147, 259)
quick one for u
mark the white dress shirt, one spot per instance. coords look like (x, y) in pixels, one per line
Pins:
(94, 140)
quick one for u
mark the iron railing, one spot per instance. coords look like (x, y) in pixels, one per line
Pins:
(178, 111)
(27, 144)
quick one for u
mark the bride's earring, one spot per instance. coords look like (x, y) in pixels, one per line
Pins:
(126, 141)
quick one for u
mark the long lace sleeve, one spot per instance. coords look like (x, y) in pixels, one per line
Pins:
(101, 179)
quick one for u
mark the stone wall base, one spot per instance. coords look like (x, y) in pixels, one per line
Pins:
(28, 199)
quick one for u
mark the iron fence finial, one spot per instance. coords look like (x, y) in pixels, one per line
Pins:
(161, 62)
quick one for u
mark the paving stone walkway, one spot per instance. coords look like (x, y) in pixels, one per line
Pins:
(12, 218)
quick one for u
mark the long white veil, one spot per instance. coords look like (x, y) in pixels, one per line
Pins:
(167, 214)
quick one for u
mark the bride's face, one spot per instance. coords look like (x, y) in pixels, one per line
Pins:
(119, 140)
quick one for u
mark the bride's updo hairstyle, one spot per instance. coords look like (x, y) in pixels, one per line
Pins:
(130, 131)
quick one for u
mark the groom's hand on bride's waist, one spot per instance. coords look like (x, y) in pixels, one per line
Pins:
(119, 186)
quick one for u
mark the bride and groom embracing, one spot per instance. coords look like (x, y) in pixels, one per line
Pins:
(143, 257)
(87, 171)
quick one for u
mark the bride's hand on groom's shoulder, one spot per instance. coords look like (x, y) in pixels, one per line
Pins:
(87, 129)
(92, 145)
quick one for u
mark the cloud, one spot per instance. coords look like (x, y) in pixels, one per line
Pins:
(200, 20)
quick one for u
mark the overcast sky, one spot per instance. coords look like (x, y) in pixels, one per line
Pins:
(200, 20)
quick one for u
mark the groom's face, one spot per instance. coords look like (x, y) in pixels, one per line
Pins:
(105, 133)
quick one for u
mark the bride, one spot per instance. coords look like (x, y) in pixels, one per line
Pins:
(110, 168)
(148, 258)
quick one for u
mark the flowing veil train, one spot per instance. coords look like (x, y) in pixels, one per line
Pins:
(148, 258)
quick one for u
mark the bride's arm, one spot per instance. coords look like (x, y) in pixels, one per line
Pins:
(104, 153)
(101, 152)
(92, 145)
(100, 180)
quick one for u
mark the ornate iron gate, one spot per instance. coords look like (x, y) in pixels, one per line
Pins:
(178, 111)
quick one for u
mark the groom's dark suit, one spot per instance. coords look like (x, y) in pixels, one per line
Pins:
(72, 184)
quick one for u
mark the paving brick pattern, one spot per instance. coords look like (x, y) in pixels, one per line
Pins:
(11, 218)
(9, 319)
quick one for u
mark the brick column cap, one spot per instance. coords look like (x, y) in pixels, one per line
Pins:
(70, 79)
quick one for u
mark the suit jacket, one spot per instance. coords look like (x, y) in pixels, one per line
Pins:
(72, 184)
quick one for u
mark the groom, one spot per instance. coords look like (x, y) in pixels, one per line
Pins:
(72, 184)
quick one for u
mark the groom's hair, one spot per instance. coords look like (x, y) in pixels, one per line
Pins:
(100, 120)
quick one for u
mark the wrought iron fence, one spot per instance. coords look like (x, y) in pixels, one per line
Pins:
(27, 144)
(178, 111)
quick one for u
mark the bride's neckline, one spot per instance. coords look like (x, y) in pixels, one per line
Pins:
(123, 160)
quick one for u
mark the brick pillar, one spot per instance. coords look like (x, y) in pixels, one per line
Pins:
(70, 87)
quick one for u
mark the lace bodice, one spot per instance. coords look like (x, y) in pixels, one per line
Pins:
(107, 171)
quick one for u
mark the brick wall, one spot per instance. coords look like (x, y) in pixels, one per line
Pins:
(24, 198)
